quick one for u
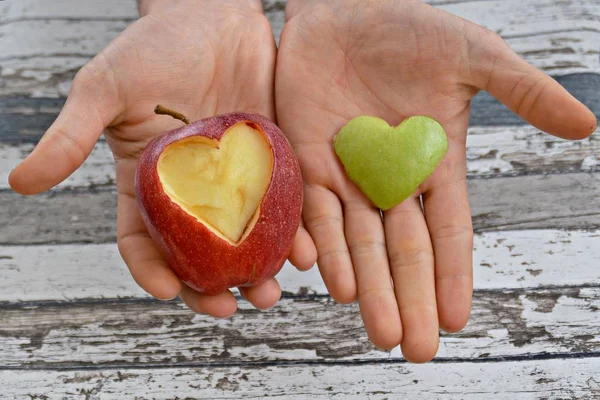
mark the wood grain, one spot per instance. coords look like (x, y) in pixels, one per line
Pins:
(535, 202)
(523, 150)
(504, 323)
(555, 379)
(58, 217)
(502, 260)
(567, 201)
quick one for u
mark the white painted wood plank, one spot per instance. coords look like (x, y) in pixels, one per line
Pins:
(556, 379)
(504, 323)
(510, 259)
(23, 39)
(40, 76)
(558, 37)
(559, 53)
(491, 152)
(514, 150)
(66, 9)
(38, 273)
(534, 258)
(512, 18)
(68, 45)
(537, 322)
(93, 271)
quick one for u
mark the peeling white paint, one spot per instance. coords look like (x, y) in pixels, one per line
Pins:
(573, 378)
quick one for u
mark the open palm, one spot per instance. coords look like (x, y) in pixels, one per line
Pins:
(410, 267)
(201, 61)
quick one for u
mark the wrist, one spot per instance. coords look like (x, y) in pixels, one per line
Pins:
(146, 7)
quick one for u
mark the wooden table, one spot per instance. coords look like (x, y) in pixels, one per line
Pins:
(73, 324)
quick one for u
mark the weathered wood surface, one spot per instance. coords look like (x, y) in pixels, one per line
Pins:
(497, 151)
(69, 308)
(525, 202)
(503, 260)
(531, 379)
(504, 323)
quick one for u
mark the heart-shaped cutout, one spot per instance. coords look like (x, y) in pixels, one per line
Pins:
(221, 183)
(389, 163)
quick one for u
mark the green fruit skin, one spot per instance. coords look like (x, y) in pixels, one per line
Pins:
(389, 163)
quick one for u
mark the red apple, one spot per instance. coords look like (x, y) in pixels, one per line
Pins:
(221, 198)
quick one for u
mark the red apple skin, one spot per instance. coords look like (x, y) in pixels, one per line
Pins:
(201, 259)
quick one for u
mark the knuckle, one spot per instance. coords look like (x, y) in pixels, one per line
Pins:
(368, 248)
(528, 91)
(72, 149)
(494, 43)
(492, 37)
(463, 232)
(376, 293)
(86, 74)
(411, 258)
(96, 76)
(358, 206)
(322, 220)
(331, 256)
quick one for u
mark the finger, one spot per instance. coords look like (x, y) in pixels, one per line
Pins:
(222, 305)
(323, 219)
(304, 253)
(263, 296)
(93, 104)
(411, 263)
(527, 91)
(450, 227)
(147, 267)
(366, 242)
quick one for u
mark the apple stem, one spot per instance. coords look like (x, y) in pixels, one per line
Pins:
(162, 110)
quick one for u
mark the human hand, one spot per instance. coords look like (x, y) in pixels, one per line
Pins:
(201, 61)
(410, 267)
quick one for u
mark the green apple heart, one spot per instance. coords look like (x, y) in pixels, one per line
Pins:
(389, 163)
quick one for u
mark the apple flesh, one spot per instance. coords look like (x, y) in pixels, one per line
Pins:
(220, 183)
(221, 199)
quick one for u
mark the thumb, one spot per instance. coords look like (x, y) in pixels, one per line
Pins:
(527, 91)
(93, 103)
